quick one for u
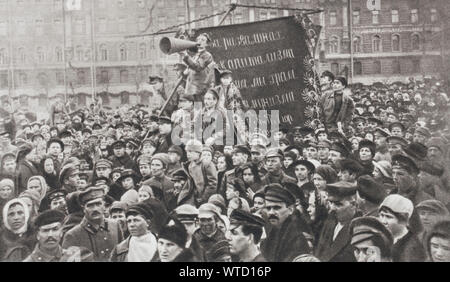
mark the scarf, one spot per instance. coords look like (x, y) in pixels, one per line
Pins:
(142, 249)
(43, 183)
(22, 229)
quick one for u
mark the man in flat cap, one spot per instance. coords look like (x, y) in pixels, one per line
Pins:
(396, 145)
(334, 240)
(430, 212)
(323, 151)
(240, 155)
(421, 135)
(141, 245)
(188, 216)
(338, 152)
(244, 236)
(175, 153)
(69, 177)
(395, 213)
(95, 232)
(120, 157)
(164, 138)
(274, 166)
(49, 234)
(371, 240)
(285, 239)
(370, 194)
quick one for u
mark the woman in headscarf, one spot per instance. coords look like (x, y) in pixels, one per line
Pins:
(6, 191)
(32, 199)
(25, 168)
(38, 183)
(17, 237)
(8, 167)
(51, 175)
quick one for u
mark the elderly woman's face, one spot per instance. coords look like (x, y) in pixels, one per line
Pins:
(5, 191)
(35, 185)
(319, 182)
(16, 216)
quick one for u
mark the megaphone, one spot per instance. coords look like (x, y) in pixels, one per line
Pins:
(170, 45)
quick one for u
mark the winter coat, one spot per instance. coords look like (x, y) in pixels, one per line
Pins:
(25, 170)
(204, 177)
(285, 243)
(200, 75)
(408, 249)
(327, 107)
(14, 247)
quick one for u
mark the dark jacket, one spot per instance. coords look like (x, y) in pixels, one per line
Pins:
(125, 161)
(408, 249)
(25, 171)
(99, 241)
(200, 75)
(338, 250)
(14, 247)
(208, 242)
(285, 243)
(185, 256)
(327, 105)
(282, 178)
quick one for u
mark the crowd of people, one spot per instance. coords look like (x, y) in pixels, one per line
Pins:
(368, 181)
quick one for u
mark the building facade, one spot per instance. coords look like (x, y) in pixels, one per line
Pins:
(391, 40)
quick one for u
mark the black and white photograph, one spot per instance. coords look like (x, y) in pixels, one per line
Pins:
(224, 131)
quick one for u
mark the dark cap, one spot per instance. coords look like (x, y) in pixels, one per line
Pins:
(118, 144)
(103, 163)
(367, 144)
(241, 217)
(67, 170)
(350, 165)
(118, 206)
(377, 121)
(324, 144)
(56, 194)
(91, 193)
(417, 151)
(128, 173)
(339, 147)
(396, 140)
(365, 228)
(309, 165)
(164, 120)
(276, 193)
(179, 174)
(140, 208)
(371, 190)
(174, 233)
(404, 162)
(49, 217)
(176, 149)
(153, 79)
(433, 205)
(423, 131)
(397, 124)
(274, 152)
(242, 149)
(342, 80)
(340, 190)
(65, 134)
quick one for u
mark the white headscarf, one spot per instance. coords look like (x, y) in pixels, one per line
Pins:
(44, 186)
(22, 229)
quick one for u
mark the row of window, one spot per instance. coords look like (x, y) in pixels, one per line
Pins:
(395, 17)
(377, 46)
(80, 54)
(376, 67)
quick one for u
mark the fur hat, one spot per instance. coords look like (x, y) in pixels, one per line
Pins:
(174, 233)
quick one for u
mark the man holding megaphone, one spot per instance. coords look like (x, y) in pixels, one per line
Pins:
(200, 71)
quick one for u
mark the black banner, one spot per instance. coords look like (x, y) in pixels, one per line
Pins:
(272, 64)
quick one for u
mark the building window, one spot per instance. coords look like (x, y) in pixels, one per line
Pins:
(81, 77)
(376, 67)
(414, 15)
(123, 76)
(356, 17)
(21, 27)
(123, 53)
(335, 68)
(357, 68)
(433, 15)
(263, 15)
(103, 53)
(102, 25)
(38, 26)
(57, 24)
(237, 18)
(42, 79)
(122, 25)
(142, 51)
(394, 14)
(416, 66)
(396, 67)
(104, 76)
(40, 54)
(415, 42)
(142, 23)
(375, 17)
(79, 25)
(143, 74)
(357, 44)
(87, 55)
(79, 53)
(273, 14)
(396, 43)
(334, 45)
(3, 56)
(21, 54)
(333, 18)
(22, 79)
(59, 54)
(4, 80)
(376, 43)
(3, 28)
(59, 78)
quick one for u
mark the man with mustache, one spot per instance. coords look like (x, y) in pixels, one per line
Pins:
(334, 240)
(49, 234)
(95, 232)
(274, 166)
(285, 240)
